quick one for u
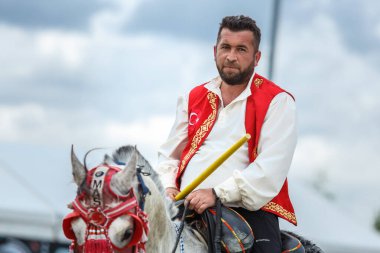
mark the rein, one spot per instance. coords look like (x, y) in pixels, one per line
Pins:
(214, 242)
(143, 189)
(179, 230)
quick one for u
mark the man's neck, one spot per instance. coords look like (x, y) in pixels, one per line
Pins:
(230, 92)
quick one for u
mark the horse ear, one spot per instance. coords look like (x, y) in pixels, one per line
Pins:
(79, 171)
(126, 178)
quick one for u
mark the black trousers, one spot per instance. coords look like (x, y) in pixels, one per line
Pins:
(265, 228)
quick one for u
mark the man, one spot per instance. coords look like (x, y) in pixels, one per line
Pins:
(215, 115)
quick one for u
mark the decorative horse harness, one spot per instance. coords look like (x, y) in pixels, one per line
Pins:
(99, 217)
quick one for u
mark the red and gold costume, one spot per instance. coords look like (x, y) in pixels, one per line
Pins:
(203, 111)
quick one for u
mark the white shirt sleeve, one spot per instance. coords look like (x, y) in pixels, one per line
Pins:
(263, 179)
(169, 153)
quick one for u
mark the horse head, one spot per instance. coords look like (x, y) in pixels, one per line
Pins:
(107, 214)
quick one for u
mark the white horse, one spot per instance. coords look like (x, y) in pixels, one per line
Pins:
(111, 205)
(162, 230)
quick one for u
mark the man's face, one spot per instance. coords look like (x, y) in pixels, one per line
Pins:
(235, 56)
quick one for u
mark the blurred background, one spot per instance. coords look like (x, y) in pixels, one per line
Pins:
(108, 73)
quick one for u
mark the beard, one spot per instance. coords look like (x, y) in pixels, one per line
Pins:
(241, 77)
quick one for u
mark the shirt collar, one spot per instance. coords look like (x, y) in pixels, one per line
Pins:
(214, 86)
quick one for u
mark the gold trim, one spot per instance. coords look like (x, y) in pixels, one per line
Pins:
(254, 153)
(201, 132)
(271, 206)
(258, 82)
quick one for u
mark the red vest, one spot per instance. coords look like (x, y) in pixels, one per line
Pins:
(204, 104)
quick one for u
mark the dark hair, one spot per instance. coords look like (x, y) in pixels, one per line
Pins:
(241, 23)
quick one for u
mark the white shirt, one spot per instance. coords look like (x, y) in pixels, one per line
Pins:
(236, 182)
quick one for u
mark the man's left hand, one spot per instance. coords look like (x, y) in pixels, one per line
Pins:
(200, 200)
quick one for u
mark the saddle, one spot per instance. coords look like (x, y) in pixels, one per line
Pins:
(226, 231)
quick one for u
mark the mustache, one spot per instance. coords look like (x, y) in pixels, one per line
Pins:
(230, 65)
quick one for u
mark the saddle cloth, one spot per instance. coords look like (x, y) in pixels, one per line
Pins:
(236, 235)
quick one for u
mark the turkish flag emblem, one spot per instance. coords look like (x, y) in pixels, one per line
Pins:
(193, 119)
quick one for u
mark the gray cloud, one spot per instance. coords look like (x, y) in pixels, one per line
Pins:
(71, 14)
(49, 85)
(357, 21)
(122, 77)
(326, 54)
(194, 19)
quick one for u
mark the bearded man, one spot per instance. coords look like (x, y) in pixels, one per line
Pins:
(212, 116)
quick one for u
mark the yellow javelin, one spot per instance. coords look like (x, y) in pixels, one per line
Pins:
(210, 169)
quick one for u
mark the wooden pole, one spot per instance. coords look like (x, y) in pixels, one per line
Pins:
(210, 169)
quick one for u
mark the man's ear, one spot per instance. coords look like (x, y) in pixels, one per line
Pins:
(257, 57)
(215, 53)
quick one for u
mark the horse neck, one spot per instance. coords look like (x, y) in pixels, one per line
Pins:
(162, 235)
(161, 232)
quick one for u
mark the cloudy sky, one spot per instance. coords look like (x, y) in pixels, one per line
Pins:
(108, 73)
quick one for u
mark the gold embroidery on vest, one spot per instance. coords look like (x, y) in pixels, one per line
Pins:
(201, 132)
(281, 211)
(258, 82)
(254, 153)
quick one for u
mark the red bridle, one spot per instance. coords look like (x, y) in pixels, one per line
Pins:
(99, 217)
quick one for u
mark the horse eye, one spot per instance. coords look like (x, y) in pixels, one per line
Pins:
(128, 233)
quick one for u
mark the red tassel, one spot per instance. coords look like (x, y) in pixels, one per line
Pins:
(71, 248)
(97, 242)
(97, 246)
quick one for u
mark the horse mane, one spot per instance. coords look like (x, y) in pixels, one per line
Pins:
(124, 154)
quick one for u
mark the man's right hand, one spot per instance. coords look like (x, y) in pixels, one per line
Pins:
(171, 192)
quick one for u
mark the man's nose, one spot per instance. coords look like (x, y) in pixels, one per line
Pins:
(231, 56)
